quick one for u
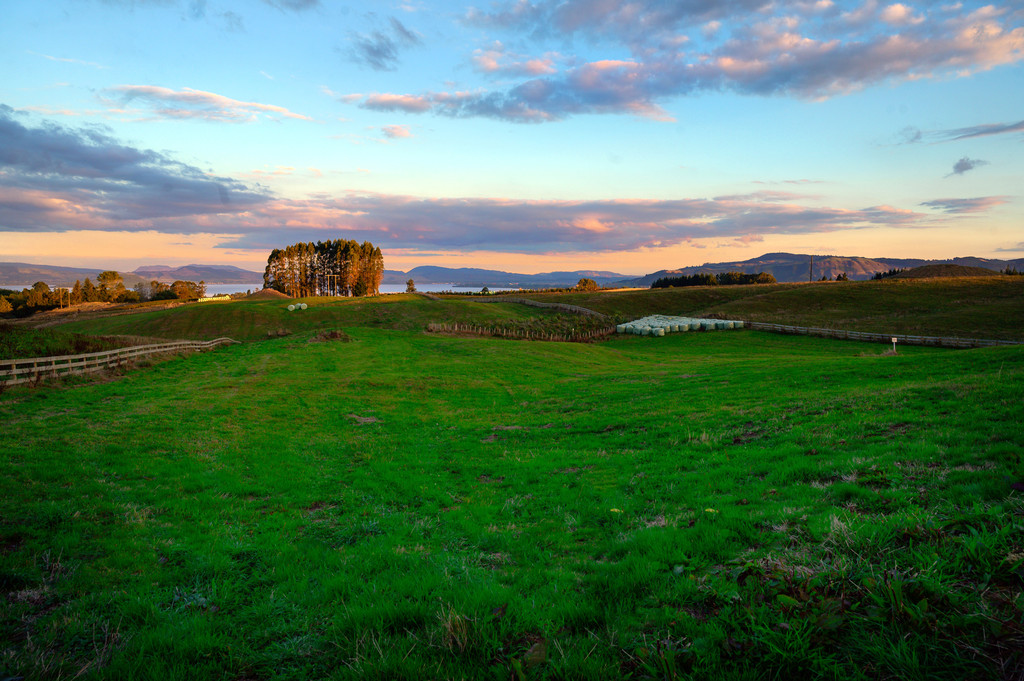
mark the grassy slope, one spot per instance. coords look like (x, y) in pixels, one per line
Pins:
(732, 505)
(983, 307)
(23, 341)
(251, 320)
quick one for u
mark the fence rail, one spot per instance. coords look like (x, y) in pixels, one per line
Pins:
(935, 341)
(14, 371)
(501, 332)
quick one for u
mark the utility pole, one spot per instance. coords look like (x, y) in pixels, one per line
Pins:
(810, 272)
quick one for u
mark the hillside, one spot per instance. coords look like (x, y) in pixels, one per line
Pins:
(978, 307)
(972, 307)
(793, 267)
(26, 274)
(211, 274)
(945, 270)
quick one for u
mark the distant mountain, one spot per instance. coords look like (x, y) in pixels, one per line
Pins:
(472, 277)
(25, 274)
(211, 274)
(791, 267)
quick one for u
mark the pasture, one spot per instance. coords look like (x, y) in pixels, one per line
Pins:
(733, 505)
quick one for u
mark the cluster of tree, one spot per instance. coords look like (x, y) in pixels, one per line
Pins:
(1011, 271)
(109, 288)
(721, 279)
(179, 290)
(587, 285)
(891, 273)
(331, 268)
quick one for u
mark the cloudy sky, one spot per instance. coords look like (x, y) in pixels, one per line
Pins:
(526, 135)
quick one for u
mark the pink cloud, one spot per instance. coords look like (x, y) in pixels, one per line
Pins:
(392, 102)
(496, 60)
(189, 103)
(396, 131)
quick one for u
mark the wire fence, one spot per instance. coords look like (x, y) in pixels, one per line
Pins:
(935, 341)
(33, 369)
(521, 334)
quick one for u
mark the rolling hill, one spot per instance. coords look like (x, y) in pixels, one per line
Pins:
(793, 267)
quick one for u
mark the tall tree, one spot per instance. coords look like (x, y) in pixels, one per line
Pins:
(335, 267)
(110, 285)
(89, 293)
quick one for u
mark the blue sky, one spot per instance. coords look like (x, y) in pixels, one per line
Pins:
(526, 135)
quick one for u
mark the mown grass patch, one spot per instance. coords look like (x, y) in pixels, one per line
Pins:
(697, 506)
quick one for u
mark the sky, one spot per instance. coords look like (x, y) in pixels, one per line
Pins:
(525, 135)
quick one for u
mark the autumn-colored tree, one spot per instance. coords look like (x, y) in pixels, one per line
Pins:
(89, 293)
(110, 285)
(325, 268)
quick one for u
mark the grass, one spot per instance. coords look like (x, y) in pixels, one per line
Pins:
(23, 341)
(734, 505)
(974, 307)
(252, 320)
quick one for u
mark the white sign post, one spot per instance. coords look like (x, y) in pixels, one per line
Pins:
(894, 346)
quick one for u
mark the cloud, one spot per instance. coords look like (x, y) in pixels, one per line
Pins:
(548, 226)
(791, 48)
(396, 131)
(496, 60)
(187, 103)
(913, 135)
(293, 5)
(965, 164)
(899, 14)
(57, 178)
(1012, 249)
(67, 60)
(389, 102)
(380, 49)
(979, 204)
(609, 86)
(983, 130)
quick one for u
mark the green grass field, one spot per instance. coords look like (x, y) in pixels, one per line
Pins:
(971, 307)
(734, 505)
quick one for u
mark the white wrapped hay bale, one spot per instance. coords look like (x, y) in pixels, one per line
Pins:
(291, 308)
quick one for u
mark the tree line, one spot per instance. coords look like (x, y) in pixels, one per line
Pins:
(720, 279)
(109, 288)
(326, 268)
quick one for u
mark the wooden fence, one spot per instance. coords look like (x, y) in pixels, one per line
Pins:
(879, 337)
(14, 371)
(501, 332)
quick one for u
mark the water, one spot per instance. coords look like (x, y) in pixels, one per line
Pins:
(218, 289)
(437, 288)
